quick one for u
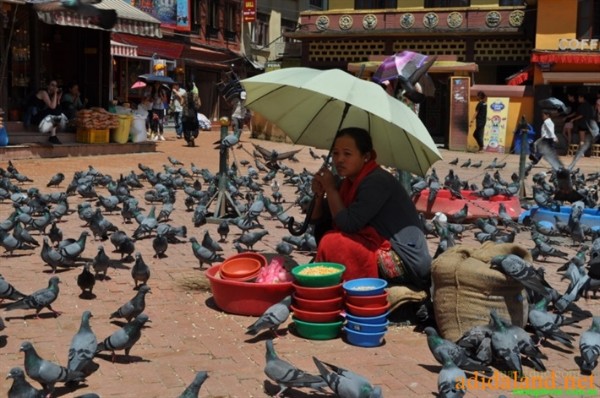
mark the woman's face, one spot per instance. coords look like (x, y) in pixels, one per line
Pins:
(347, 159)
(52, 87)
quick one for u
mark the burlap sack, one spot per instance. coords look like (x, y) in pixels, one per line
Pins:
(465, 288)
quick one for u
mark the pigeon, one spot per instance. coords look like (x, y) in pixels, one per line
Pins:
(439, 346)
(460, 215)
(228, 142)
(284, 248)
(20, 387)
(102, 18)
(272, 318)
(520, 270)
(589, 347)
(451, 380)
(210, 243)
(86, 280)
(2, 324)
(133, 307)
(193, 390)
(546, 325)
(160, 244)
(476, 165)
(147, 225)
(7, 291)
(100, 262)
(39, 299)
(45, 372)
(249, 239)
(174, 161)
(83, 348)
(73, 250)
(287, 375)
(124, 338)
(203, 254)
(223, 230)
(55, 234)
(140, 272)
(505, 345)
(466, 164)
(453, 162)
(345, 383)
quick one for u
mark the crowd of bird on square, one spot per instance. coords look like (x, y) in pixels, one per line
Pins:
(33, 212)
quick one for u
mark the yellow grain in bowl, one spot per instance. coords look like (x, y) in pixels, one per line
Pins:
(318, 270)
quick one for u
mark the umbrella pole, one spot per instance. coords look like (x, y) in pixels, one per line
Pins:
(311, 207)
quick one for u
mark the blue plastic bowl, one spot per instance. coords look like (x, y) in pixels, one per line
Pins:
(364, 339)
(367, 327)
(370, 320)
(365, 287)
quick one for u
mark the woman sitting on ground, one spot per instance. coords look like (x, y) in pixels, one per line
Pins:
(47, 102)
(372, 226)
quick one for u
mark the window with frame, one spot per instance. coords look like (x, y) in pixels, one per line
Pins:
(196, 15)
(374, 4)
(288, 26)
(508, 3)
(588, 19)
(259, 31)
(316, 4)
(231, 12)
(447, 3)
(212, 23)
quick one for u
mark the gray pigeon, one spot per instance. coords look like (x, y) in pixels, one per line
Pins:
(55, 180)
(140, 272)
(249, 239)
(287, 375)
(505, 345)
(2, 325)
(345, 383)
(53, 257)
(203, 254)
(133, 307)
(39, 299)
(210, 243)
(589, 347)
(20, 387)
(83, 347)
(45, 372)
(272, 318)
(147, 225)
(160, 244)
(7, 291)
(451, 380)
(520, 270)
(193, 389)
(101, 262)
(124, 338)
(439, 346)
(86, 281)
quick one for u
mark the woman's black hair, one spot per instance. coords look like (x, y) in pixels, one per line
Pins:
(361, 137)
(481, 95)
(189, 86)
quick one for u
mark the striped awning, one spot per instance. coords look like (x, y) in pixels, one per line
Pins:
(130, 19)
(122, 50)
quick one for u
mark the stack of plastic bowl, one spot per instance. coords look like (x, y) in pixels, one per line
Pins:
(318, 300)
(367, 309)
(242, 269)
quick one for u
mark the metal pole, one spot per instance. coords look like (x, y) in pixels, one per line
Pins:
(524, 129)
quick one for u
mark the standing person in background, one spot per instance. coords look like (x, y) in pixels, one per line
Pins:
(584, 118)
(190, 107)
(479, 119)
(158, 97)
(568, 127)
(176, 108)
(239, 113)
(548, 136)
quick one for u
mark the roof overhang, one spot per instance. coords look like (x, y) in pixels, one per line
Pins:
(437, 67)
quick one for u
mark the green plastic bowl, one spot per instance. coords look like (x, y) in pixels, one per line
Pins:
(318, 331)
(318, 280)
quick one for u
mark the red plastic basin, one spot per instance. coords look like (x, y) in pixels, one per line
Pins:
(368, 301)
(318, 293)
(317, 317)
(239, 268)
(243, 298)
(318, 305)
(367, 311)
(257, 256)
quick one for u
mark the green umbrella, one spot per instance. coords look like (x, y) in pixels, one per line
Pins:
(311, 105)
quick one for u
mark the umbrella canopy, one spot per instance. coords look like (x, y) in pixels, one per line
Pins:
(310, 106)
(150, 78)
(409, 68)
(138, 84)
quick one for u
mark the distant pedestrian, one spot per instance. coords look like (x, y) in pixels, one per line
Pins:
(569, 125)
(190, 107)
(158, 96)
(175, 108)
(239, 113)
(480, 118)
(584, 119)
(548, 136)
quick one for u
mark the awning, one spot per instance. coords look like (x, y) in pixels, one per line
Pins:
(122, 50)
(566, 57)
(520, 77)
(208, 58)
(437, 67)
(148, 47)
(571, 77)
(130, 19)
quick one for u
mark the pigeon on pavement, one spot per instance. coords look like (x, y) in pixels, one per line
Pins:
(287, 375)
(589, 347)
(20, 387)
(86, 280)
(193, 389)
(272, 318)
(140, 272)
(345, 383)
(7, 291)
(439, 346)
(124, 338)
(133, 307)
(451, 380)
(83, 347)
(45, 372)
(505, 345)
(39, 299)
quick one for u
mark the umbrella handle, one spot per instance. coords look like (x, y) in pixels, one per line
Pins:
(291, 223)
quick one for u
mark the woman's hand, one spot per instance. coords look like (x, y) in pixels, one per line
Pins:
(325, 179)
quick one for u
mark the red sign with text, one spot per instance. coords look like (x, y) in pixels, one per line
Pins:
(249, 10)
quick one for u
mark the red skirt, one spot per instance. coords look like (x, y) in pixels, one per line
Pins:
(357, 252)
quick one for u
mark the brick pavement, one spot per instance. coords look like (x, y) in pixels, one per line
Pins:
(187, 333)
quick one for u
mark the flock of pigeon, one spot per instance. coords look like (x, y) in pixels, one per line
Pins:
(111, 213)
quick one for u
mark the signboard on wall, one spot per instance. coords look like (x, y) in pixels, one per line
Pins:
(494, 136)
(459, 113)
(249, 10)
(171, 14)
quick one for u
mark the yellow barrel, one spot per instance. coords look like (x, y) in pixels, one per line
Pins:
(120, 135)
